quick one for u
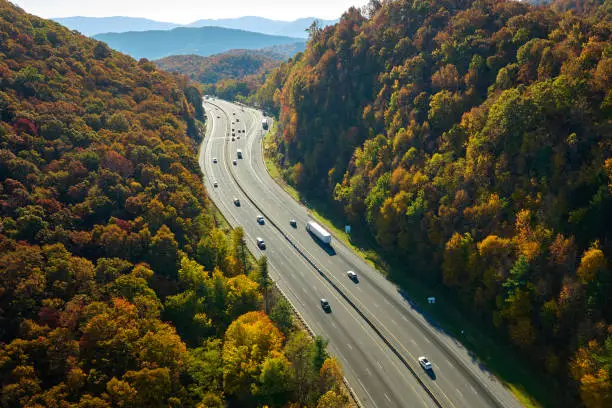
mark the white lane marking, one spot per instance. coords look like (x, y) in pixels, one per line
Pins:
(366, 391)
(414, 342)
(473, 390)
(394, 322)
(376, 305)
(450, 364)
(380, 365)
(386, 301)
(405, 318)
(387, 397)
(368, 371)
(334, 325)
(459, 392)
(426, 339)
(348, 344)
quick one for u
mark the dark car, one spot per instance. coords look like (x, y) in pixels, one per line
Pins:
(293, 223)
(260, 243)
(325, 305)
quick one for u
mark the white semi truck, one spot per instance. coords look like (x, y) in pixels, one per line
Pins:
(319, 232)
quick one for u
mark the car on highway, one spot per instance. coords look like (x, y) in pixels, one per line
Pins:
(214, 160)
(293, 223)
(425, 363)
(260, 219)
(215, 184)
(352, 275)
(233, 139)
(260, 243)
(238, 137)
(236, 202)
(234, 162)
(218, 117)
(237, 120)
(325, 305)
(233, 113)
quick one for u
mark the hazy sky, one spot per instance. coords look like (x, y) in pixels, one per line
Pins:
(186, 11)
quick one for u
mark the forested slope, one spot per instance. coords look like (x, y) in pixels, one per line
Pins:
(229, 75)
(474, 140)
(117, 288)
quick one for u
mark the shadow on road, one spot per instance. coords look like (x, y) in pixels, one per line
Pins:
(326, 247)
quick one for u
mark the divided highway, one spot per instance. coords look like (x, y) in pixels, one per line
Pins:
(372, 328)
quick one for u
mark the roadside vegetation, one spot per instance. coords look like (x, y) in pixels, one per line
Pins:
(467, 143)
(120, 285)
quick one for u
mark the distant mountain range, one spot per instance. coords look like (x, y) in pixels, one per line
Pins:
(201, 41)
(92, 26)
(295, 28)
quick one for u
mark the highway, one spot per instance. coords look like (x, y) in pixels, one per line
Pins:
(373, 330)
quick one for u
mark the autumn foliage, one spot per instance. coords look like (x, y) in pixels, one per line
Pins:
(473, 137)
(117, 287)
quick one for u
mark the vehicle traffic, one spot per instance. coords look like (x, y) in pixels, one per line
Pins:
(260, 219)
(264, 123)
(424, 362)
(236, 202)
(214, 160)
(325, 305)
(260, 243)
(319, 232)
(239, 152)
(293, 223)
(352, 276)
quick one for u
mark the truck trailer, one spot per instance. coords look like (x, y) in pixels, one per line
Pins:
(319, 232)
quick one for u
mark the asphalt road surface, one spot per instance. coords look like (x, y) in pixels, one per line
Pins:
(373, 329)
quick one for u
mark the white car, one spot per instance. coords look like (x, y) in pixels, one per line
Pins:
(352, 275)
(215, 184)
(260, 219)
(424, 362)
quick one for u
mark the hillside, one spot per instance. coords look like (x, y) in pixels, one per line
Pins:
(236, 72)
(119, 286)
(471, 141)
(91, 26)
(184, 41)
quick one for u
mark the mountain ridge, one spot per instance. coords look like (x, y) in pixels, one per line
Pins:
(202, 41)
(92, 26)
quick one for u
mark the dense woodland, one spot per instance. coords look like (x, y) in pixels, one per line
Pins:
(118, 288)
(474, 140)
(232, 75)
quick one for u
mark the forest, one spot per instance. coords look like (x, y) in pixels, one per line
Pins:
(232, 75)
(472, 140)
(120, 285)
